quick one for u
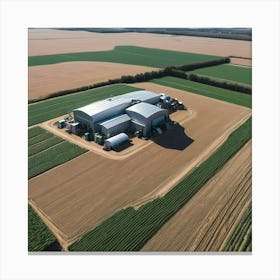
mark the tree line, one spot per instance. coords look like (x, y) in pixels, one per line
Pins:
(175, 71)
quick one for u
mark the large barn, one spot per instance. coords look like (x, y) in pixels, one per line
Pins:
(134, 111)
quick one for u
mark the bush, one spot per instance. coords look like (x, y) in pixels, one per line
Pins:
(220, 83)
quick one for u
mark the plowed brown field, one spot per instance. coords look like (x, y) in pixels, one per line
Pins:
(46, 79)
(205, 222)
(241, 61)
(46, 41)
(78, 195)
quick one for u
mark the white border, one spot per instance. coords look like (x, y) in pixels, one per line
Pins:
(262, 16)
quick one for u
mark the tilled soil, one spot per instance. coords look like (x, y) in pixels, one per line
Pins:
(46, 79)
(206, 221)
(46, 41)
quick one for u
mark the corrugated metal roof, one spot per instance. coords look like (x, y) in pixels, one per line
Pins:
(126, 99)
(144, 109)
(117, 139)
(115, 121)
(141, 95)
(103, 105)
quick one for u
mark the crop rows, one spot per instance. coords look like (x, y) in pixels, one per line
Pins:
(130, 229)
(125, 54)
(48, 109)
(206, 90)
(39, 236)
(227, 72)
(46, 151)
(241, 237)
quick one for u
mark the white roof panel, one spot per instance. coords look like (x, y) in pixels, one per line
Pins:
(125, 99)
(144, 109)
(115, 121)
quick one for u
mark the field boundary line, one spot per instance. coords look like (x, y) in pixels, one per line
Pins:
(171, 182)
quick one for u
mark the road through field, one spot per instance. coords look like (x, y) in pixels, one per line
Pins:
(46, 79)
(78, 195)
(205, 222)
(47, 41)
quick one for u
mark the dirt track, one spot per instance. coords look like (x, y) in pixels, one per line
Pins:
(90, 188)
(46, 79)
(46, 41)
(205, 222)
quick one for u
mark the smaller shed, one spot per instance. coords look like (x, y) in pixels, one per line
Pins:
(115, 125)
(146, 116)
(116, 140)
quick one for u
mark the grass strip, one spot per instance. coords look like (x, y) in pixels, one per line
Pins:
(206, 90)
(49, 152)
(227, 72)
(39, 236)
(127, 55)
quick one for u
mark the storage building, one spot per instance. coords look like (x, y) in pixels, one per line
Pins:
(116, 140)
(131, 111)
(89, 116)
(145, 116)
(115, 125)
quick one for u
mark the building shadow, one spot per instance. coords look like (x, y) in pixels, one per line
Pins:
(55, 246)
(174, 138)
(122, 146)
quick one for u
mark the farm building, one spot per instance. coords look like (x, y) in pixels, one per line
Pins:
(134, 111)
(145, 116)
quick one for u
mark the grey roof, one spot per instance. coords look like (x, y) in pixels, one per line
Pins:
(144, 109)
(141, 95)
(117, 139)
(126, 99)
(103, 105)
(115, 121)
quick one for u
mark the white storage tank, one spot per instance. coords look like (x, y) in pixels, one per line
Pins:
(116, 140)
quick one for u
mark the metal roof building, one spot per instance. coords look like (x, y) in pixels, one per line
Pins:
(142, 95)
(115, 125)
(116, 140)
(95, 112)
(116, 114)
(145, 116)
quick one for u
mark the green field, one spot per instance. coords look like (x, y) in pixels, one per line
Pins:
(127, 55)
(241, 237)
(206, 90)
(39, 236)
(46, 151)
(130, 229)
(227, 72)
(48, 109)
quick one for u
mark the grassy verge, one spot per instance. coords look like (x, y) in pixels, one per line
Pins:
(48, 109)
(130, 229)
(241, 237)
(125, 54)
(46, 151)
(206, 90)
(39, 236)
(227, 72)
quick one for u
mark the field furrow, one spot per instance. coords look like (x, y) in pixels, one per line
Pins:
(206, 220)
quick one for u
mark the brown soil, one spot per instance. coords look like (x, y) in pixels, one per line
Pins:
(46, 79)
(45, 41)
(78, 195)
(205, 222)
(241, 61)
